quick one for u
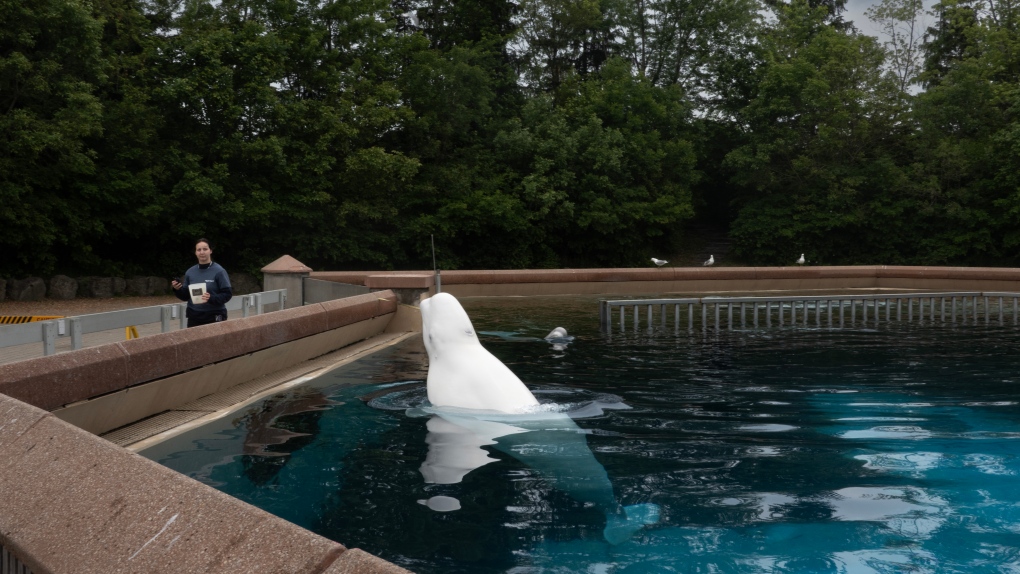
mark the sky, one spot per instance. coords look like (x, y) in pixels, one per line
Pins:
(855, 12)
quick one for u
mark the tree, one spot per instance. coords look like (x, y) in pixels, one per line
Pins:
(49, 65)
(901, 24)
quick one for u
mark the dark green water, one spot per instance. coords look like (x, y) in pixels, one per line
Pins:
(770, 450)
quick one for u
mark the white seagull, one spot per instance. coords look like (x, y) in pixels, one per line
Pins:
(801, 261)
(659, 262)
(711, 261)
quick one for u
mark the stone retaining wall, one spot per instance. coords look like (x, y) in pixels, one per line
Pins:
(73, 502)
(689, 279)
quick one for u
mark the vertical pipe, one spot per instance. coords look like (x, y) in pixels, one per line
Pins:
(864, 311)
(899, 309)
(717, 316)
(676, 317)
(623, 317)
(704, 315)
(637, 318)
(756, 314)
(988, 312)
(910, 310)
(841, 313)
(743, 322)
(853, 312)
(942, 310)
(662, 315)
(729, 316)
(953, 305)
(976, 318)
(780, 313)
(650, 323)
(1014, 310)
(818, 313)
(164, 318)
(888, 309)
(259, 307)
(180, 315)
(828, 307)
(1000, 310)
(690, 316)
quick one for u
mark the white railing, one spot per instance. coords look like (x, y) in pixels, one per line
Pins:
(950, 307)
(47, 332)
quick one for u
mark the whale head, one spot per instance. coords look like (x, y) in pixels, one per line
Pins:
(462, 373)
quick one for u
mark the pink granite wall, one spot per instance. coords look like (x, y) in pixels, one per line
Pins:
(57, 380)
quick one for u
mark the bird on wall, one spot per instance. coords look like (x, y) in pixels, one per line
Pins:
(659, 262)
(711, 261)
(801, 261)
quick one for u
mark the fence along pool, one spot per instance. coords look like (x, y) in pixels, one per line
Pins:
(830, 310)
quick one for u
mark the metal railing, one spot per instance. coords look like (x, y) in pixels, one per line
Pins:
(9, 563)
(952, 307)
(47, 332)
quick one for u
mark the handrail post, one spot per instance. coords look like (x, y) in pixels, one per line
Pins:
(74, 325)
(164, 318)
(49, 337)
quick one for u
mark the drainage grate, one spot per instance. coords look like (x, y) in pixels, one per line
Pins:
(152, 426)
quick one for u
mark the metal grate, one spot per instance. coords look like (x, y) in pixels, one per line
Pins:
(969, 308)
(9, 563)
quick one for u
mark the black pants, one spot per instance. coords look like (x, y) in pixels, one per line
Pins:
(197, 318)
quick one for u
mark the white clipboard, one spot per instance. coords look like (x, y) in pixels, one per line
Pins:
(196, 290)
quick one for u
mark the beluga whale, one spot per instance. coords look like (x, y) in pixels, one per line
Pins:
(462, 373)
(478, 402)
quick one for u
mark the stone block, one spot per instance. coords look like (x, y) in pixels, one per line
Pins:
(76, 503)
(150, 357)
(243, 284)
(95, 287)
(137, 286)
(119, 285)
(62, 287)
(57, 380)
(30, 289)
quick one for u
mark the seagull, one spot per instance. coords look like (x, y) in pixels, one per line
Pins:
(801, 261)
(659, 262)
(711, 261)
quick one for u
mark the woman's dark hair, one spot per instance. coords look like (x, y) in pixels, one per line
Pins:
(203, 240)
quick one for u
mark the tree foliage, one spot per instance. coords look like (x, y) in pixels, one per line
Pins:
(535, 133)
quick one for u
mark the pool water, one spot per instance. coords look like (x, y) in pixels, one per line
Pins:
(761, 450)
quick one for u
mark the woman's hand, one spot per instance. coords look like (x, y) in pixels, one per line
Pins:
(176, 284)
(206, 296)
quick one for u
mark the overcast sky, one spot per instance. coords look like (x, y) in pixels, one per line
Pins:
(855, 12)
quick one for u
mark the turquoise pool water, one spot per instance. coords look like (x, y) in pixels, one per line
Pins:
(773, 450)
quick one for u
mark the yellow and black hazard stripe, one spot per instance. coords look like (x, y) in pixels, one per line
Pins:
(18, 319)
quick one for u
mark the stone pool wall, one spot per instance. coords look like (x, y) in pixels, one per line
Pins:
(668, 280)
(73, 502)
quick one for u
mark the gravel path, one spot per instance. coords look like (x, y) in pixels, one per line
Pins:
(81, 306)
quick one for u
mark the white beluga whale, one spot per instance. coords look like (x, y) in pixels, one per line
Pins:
(478, 402)
(462, 373)
(557, 333)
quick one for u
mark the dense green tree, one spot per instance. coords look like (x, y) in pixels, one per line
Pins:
(816, 154)
(50, 61)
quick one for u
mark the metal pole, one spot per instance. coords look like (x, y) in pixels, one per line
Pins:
(768, 313)
(899, 309)
(910, 310)
(841, 313)
(853, 312)
(49, 337)
(953, 302)
(75, 328)
(164, 318)
(623, 317)
(988, 312)
(690, 316)
(704, 316)
(1000, 310)
(729, 316)
(650, 323)
(743, 322)
(637, 319)
(828, 308)
(716, 316)
(676, 317)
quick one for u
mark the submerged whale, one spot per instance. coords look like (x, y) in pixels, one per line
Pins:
(478, 402)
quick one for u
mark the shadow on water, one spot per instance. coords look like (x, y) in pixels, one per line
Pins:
(783, 450)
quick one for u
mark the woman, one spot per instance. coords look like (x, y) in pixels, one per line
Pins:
(205, 287)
